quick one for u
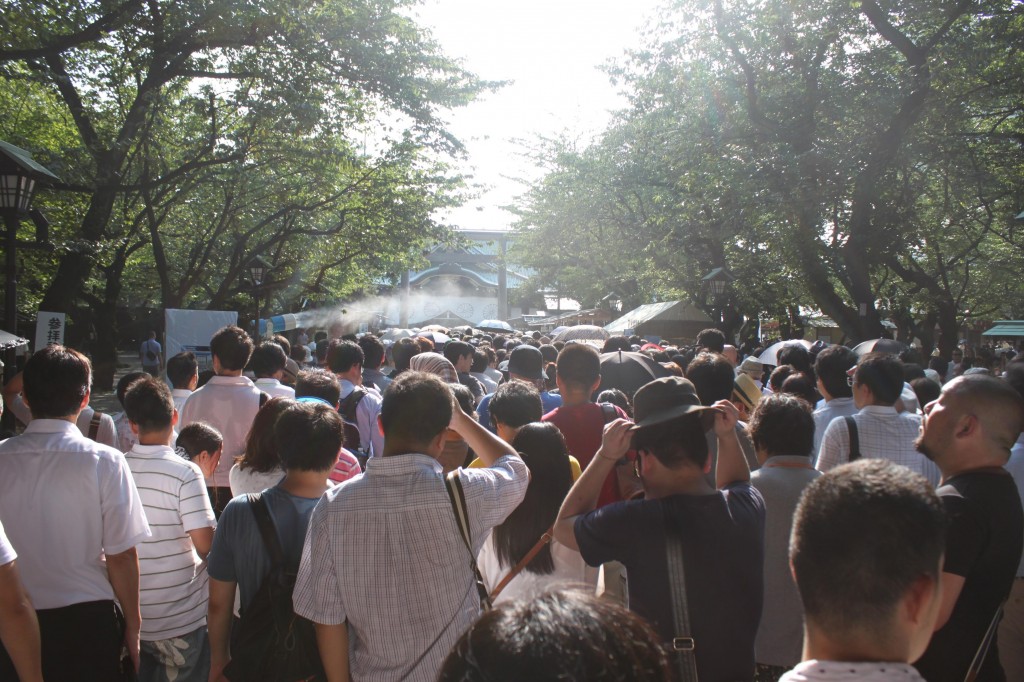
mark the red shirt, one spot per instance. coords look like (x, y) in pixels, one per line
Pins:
(582, 426)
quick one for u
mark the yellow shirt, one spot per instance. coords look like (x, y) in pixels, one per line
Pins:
(574, 464)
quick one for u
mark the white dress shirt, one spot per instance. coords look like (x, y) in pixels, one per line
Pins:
(67, 501)
(228, 404)
(274, 388)
(823, 416)
(371, 440)
(882, 432)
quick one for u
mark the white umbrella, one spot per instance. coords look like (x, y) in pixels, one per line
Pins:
(396, 334)
(495, 326)
(582, 332)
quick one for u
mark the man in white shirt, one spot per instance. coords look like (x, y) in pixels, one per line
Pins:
(92, 424)
(830, 367)
(71, 508)
(268, 363)
(183, 375)
(871, 601)
(150, 355)
(228, 402)
(173, 582)
(881, 430)
(359, 405)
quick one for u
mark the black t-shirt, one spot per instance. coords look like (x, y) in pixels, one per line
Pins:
(723, 550)
(473, 384)
(984, 541)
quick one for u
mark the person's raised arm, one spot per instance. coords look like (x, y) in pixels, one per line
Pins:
(487, 446)
(19, 629)
(732, 465)
(123, 573)
(583, 495)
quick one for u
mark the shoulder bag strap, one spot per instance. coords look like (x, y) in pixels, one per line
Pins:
(986, 643)
(608, 412)
(682, 644)
(458, 499)
(851, 426)
(523, 563)
(94, 425)
(267, 530)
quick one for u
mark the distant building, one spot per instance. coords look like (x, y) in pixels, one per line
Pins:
(461, 286)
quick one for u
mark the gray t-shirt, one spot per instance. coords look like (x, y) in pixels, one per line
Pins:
(238, 554)
(780, 636)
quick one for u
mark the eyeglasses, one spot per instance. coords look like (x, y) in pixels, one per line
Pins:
(849, 380)
(636, 464)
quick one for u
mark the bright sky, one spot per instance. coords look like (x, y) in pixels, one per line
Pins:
(550, 49)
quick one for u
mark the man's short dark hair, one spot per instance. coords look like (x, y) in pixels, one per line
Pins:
(318, 383)
(926, 390)
(862, 534)
(268, 359)
(579, 365)
(343, 355)
(1015, 376)
(125, 382)
(416, 408)
(285, 344)
(713, 377)
(232, 347)
(675, 441)
(782, 425)
(149, 405)
(798, 356)
(831, 366)
(712, 340)
(181, 368)
(454, 350)
(402, 353)
(801, 385)
(514, 404)
(373, 351)
(883, 374)
(480, 361)
(56, 380)
(199, 437)
(308, 437)
(561, 635)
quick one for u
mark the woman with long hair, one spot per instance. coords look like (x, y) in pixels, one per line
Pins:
(259, 467)
(527, 529)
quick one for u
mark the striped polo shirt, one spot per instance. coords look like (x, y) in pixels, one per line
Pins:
(172, 578)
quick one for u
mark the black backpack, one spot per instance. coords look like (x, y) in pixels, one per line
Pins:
(347, 410)
(273, 643)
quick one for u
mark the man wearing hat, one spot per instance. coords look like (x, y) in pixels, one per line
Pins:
(526, 364)
(721, 530)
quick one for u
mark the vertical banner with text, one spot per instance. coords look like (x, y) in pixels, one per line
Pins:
(49, 329)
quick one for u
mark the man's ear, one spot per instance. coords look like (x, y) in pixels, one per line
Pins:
(917, 600)
(967, 425)
(135, 427)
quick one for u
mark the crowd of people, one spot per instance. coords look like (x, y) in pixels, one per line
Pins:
(501, 507)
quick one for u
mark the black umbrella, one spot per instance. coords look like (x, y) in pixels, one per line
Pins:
(891, 346)
(628, 371)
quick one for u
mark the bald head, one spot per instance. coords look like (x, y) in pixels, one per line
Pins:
(996, 405)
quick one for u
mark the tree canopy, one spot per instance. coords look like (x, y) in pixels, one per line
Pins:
(862, 159)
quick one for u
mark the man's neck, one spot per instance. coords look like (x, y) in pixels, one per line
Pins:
(680, 484)
(304, 483)
(156, 437)
(572, 398)
(855, 647)
(229, 373)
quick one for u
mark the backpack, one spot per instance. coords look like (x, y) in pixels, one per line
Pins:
(273, 643)
(347, 410)
(150, 355)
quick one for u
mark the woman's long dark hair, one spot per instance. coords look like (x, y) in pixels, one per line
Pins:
(260, 452)
(542, 447)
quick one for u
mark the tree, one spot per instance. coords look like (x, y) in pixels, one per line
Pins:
(162, 94)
